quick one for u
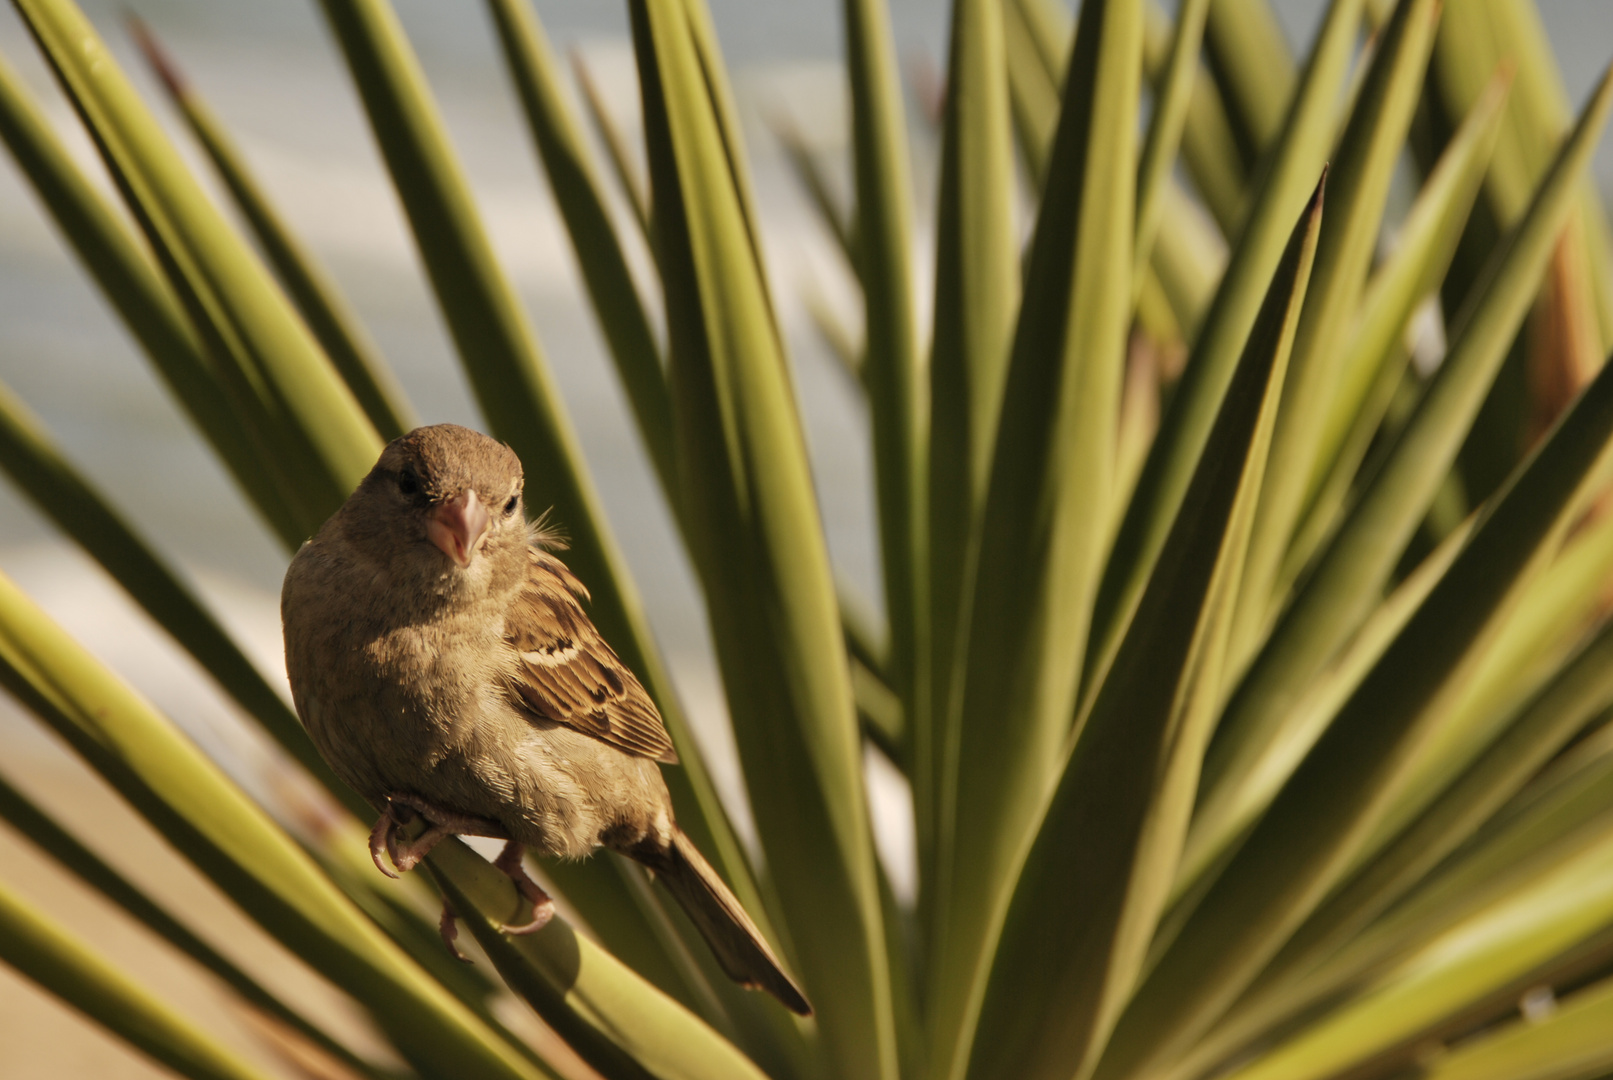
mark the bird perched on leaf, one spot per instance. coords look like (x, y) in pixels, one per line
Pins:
(441, 659)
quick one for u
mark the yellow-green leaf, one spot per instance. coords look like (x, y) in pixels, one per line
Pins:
(1027, 588)
(1099, 872)
(759, 548)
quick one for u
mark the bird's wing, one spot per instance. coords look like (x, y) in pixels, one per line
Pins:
(568, 674)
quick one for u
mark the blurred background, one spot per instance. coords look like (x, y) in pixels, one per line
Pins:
(272, 75)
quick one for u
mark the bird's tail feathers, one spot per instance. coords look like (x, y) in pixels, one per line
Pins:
(717, 914)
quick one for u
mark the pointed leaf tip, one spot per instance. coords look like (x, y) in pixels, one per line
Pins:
(173, 80)
(1095, 881)
(1313, 209)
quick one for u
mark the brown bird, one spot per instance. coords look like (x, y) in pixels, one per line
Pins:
(441, 659)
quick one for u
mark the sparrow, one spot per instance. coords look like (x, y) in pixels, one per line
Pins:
(441, 659)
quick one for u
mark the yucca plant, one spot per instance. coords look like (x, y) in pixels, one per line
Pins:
(1250, 679)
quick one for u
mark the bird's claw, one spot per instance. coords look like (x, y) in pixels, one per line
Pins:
(542, 912)
(382, 839)
(449, 929)
(406, 854)
(509, 863)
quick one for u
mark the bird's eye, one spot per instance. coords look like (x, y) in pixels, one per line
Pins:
(509, 507)
(408, 483)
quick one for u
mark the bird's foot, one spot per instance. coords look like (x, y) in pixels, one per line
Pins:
(448, 927)
(441, 823)
(382, 838)
(509, 862)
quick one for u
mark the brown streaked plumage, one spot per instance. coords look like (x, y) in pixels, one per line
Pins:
(441, 659)
(568, 673)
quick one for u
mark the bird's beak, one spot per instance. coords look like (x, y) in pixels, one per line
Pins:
(457, 526)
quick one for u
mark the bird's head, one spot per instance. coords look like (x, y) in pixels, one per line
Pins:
(443, 498)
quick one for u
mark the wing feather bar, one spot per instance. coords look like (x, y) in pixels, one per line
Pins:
(569, 675)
